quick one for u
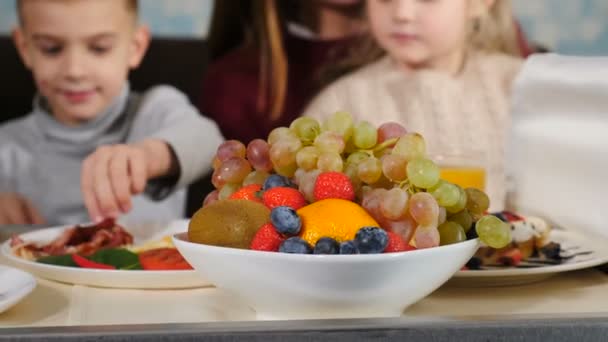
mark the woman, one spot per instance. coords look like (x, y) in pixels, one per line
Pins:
(267, 56)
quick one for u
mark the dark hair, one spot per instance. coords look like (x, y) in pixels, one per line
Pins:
(132, 6)
(260, 23)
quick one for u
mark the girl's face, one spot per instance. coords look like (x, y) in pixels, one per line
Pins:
(421, 33)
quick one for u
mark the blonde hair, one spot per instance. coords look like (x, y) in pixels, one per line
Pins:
(132, 6)
(493, 32)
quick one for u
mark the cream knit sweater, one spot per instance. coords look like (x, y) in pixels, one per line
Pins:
(463, 114)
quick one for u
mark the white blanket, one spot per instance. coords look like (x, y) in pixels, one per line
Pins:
(557, 154)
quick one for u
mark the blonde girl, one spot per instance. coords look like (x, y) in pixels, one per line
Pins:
(443, 68)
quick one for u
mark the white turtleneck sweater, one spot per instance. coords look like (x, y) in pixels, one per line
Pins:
(463, 114)
(40, 158)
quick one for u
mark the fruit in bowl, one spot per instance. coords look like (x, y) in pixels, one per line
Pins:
(340, 188)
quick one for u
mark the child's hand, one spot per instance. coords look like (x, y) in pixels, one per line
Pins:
(15, 209)
(114, 173)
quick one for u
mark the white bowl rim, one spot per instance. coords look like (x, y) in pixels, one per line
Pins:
(316, 257)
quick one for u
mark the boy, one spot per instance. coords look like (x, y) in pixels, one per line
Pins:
(90, 144)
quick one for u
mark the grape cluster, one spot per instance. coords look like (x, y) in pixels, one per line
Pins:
(393, 178)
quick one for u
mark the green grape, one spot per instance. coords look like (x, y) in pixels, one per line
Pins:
(283, 152)
(461, 204)
(288, 170)
(329, 142)
(463, 218)
(228, 189)
(446, 193)
(306, 128)
(422, 173)
(477, 201)
(411, 146)
(297, 176)
(370, 170)
(356, 158)
(493, 232)
(280, 133)
(307, 184)
(351, 171)
(255, 177)
(341, 123)
(451, 232)
(365, 135)
(307, 157)
(329, 161)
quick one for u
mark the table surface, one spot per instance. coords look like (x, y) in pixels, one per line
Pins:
(559, 308)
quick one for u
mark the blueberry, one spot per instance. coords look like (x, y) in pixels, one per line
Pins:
(274, 181)
(285, 220)
(326, 245)
(371, 240)
(472, 233)
(295, 245)
(474, 263)
(552, 250)
(349, 247)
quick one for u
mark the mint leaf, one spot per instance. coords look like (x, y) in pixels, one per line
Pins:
(117, 257)
(58, 260)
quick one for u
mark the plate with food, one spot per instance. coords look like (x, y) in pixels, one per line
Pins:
(538, 250)
(107, 254)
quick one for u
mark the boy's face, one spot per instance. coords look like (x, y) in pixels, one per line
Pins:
(80, 53)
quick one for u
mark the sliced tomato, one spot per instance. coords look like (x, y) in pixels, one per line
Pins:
(86, 263)
(163, 259)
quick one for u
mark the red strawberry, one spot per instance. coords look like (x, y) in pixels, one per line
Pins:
(248, 192)
(267, 239)
(333, 185)
(395, 243)
(283, 196)
(409, 247)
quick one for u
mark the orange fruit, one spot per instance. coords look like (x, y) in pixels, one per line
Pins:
(335, 218)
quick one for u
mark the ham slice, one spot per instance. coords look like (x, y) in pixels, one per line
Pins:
(82, 240)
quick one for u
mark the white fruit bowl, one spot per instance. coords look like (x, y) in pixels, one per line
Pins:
(290, 286)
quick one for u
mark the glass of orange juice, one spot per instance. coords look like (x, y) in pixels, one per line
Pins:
(464, 169)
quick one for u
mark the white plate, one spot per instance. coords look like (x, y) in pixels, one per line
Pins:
(571, 242)
(111, 278)
(14, 286)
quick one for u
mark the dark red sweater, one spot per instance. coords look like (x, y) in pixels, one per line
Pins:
(230, 87)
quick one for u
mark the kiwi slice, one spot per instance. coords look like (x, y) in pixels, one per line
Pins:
(228, 223)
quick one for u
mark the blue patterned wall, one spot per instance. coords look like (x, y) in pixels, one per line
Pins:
(568, 26)
(165, 17)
